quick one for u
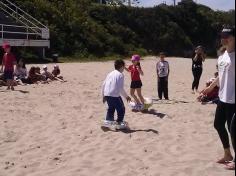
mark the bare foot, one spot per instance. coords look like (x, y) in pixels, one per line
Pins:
(225, 160)
(230, 166)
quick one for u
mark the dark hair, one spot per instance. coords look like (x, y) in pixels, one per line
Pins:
(119, 63)
(32, 71)
(23, 61)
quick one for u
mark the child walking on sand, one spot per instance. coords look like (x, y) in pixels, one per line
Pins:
(8, 63)
(136, 83)
(112, 89)
(163, 71)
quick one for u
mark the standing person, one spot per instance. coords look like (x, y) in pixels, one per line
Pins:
(8, 63)
(136, 83)
(163, 71)
(226, 106)
(197, 60)
(112, 89)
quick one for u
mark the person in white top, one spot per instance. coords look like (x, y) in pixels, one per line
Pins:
(163, 71)
(226, 80)
(112, 90)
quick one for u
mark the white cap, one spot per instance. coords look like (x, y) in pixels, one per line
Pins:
(45, 66)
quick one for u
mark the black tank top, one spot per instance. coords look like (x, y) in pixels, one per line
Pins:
(197, 63)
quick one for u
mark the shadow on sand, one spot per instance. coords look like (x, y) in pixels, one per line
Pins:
(155, 113)
(21, 91)
(158, 101)
(128, 130)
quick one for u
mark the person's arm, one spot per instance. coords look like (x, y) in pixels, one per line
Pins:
(168, 69)
(195, 57)
(140, 70)
(103, 89)
(203, 57)
(2, 63)
(127, 69)
(211, 87)
(157, 71)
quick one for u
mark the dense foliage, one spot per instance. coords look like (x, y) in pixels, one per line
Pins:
(84, 27)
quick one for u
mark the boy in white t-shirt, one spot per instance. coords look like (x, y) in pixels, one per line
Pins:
(226, 106)
(163, 71)
(112, 89)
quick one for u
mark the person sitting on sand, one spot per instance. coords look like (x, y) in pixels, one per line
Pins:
(56, 72)
(40, 77)
(211, 96)
(112, 89)
(32, 77)
(20, 70)
(47, 74)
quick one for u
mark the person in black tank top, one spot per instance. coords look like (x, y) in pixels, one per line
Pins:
(197, 60)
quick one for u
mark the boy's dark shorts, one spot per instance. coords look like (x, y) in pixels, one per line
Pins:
(136, 84)
(8, 75)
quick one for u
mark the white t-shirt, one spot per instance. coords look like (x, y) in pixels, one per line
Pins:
(113, 86)
(226, 67)
(162, 68)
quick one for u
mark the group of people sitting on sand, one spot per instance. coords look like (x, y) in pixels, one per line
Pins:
(15, 73)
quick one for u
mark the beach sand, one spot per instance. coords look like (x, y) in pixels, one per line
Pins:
(55, 129)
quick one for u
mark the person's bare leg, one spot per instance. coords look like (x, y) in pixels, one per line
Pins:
(134, 96)
(12, 85)
(139, 92)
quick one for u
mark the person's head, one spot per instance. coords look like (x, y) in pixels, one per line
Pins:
(136, 59)
(56, 67)
(162, 56)
(228, 37)
(45, 68)
(6, 47)
(199, 50)
(216, 74)
(32, 71)
(37, 70)
(119, 65)
(21, 63)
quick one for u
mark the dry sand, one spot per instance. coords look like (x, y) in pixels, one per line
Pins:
(54, 130)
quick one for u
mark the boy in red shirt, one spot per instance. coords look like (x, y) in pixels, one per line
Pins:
(8, 63)
(136, 83)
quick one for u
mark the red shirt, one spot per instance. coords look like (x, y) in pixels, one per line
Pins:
(135, 75)
(214, 93)
(9, 61)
